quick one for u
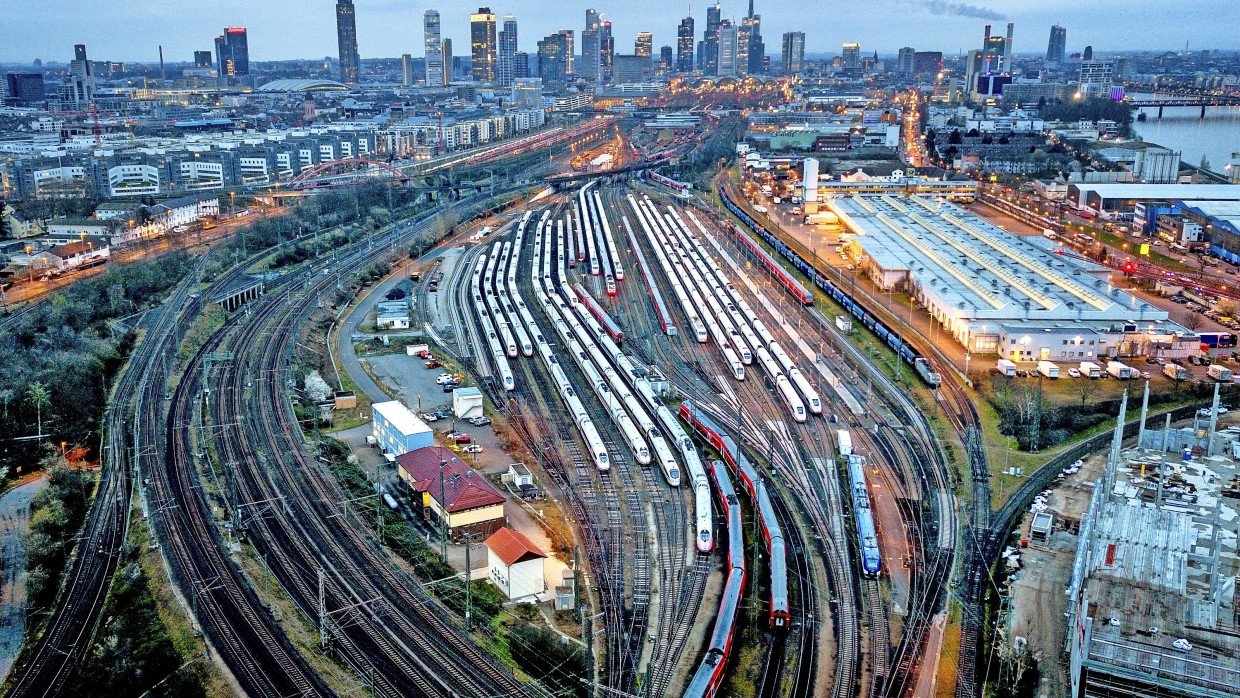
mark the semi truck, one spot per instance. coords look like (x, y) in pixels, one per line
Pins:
(1005, 367)
(1219, 372)
(1175, 372)
(1090, 369)
(1048, 369)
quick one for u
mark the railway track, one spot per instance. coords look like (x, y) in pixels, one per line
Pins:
(69, 630)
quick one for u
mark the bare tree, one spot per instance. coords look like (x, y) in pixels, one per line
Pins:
(1193, 320)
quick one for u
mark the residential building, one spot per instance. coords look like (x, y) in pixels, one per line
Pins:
(644, 45)
(398, 430)
(482, 44)
(708, 56)
(516, 565)
(727, 60)
(904, 60)
(435, 61)
(346, 39)
(794, 52)
(450, 492)
(74, 254)
(684, 46)
(232, 55)
(506, 65)
(1096, 77)
(1057, 46)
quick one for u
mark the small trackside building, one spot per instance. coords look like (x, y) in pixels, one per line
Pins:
(467, 403)
(397, 430)
(447, 487)
(515, 565)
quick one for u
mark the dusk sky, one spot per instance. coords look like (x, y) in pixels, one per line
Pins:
(131, 30)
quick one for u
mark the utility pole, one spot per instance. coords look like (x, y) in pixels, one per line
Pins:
(443, 516)
(469, 582)
(322, 613)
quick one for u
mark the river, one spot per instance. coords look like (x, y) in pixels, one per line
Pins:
(1181, 128)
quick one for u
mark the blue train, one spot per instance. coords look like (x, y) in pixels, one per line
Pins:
(889, 337)
(871, 559)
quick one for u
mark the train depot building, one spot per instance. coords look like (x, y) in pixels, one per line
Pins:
(447, 487)
(998, 293)
(515, 565)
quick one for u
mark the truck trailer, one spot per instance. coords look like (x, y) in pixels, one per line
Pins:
(1005, 367)
(1090, 369)
(1048, 369)
(1219, 372)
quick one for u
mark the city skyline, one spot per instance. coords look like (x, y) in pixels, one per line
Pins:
(133, 31)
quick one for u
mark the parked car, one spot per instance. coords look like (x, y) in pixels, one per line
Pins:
(434, 363)
(472, 448)
(1074, 373)
(1145, 375)
(480, 421)
(1034, 373)
(449, 387)
(444, 378)
(459, 438)
(1022, 373)
(429, 417)
(425, 354)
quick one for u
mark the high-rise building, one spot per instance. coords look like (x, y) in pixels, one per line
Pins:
(666, 61)
(406, 65)
(346, 39)
(232, 54)
(451, 63)
(79, 87)
(569, 63)
(997, 51)
(507, 51)
(727, 65)
(742, 47)
(752, 52)
(1096, 77)
(1088, 53)
(904, 60)
(708, 55)
(628, 69)
(521, 59)
(606, 50)
(591, 51)
(794, 52)
(202, 59)
(850, 55)
(482, 47)
(644, 45)
(552, 58)
(24, 89)
(684, 46)
(1057, 45)
(436, 72)
(927, 62)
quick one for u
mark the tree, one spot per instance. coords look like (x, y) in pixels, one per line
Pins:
(38, 397)
(1226, 306)
(1084, 388)
(954, 138)
(1193, 321)
(316, 387)
(1205, 162)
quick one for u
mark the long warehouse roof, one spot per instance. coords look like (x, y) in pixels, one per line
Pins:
(981, 270)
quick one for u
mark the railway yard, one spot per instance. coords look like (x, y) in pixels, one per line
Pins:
(758, 507)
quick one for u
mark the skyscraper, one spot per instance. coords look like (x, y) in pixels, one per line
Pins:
(590, 49)
(1057, 45)
(644, 45)
(232, 54)
(666, 61)
(904, 60)
(742, 46)
(606, 50)
(436, 75)
(708, 61)
(726, 40)
(552, 61)
(684, 46)
(507, 51)
(406, 64)
(754, 49)
(449, 63)
(569, 66)
(794, 52)
(346, 39)
(850, 55)
(482, 44)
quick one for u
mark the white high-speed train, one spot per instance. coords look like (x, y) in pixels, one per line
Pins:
(498, 354)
